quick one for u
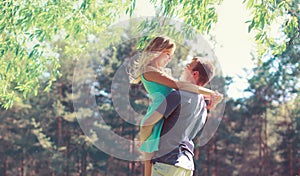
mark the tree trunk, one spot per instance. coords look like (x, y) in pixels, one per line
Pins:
(22, 167)
(68, 158)
(108, 164)
(260, 143)
(131, 164)
(132, 150)
(266, 153)
(83, 161)
(299, 166)
(6, 167)
(59, 119)
(291, 159)
(59, 135)
(208, 162)
(216, 159)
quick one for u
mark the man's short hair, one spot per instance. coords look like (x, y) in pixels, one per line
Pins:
(205, 69)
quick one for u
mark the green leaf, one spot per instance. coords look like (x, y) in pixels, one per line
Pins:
(17, 50)
(250, 27)
(2, 27)
(127, 9)
(8, 67)
(83, 5)
(31, 53)
(250, 3)
(133, 4)
(35, 46)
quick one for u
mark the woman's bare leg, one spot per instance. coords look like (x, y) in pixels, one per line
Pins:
(148, 164)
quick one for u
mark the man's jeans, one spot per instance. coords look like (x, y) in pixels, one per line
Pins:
(161, 169)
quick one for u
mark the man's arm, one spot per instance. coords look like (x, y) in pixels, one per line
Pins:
(147, 127)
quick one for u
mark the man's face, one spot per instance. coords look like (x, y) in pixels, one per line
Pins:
(187, 73)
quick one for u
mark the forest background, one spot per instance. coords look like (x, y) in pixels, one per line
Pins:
(58, 61)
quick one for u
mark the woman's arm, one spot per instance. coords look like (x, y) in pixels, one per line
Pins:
(159, 77)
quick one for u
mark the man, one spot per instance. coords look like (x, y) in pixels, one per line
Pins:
(184, 115)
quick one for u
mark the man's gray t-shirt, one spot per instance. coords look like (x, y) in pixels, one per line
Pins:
(185, 114)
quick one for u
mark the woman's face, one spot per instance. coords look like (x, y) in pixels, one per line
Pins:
(164, 58)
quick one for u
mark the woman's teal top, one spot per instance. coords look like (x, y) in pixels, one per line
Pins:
(157, 93)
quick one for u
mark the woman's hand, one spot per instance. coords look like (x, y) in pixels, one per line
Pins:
(216, 98)
(137, 141)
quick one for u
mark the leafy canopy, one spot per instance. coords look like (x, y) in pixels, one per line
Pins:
(29, 59)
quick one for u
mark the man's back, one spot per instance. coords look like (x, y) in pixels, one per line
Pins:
(185, 115)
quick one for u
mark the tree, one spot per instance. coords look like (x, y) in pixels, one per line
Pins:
(29, 62)
(274, 87)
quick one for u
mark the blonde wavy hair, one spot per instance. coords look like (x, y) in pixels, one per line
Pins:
(155, 47)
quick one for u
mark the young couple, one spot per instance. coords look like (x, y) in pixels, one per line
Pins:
(177, 111)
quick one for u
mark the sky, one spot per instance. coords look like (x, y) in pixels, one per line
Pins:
(234, 43)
